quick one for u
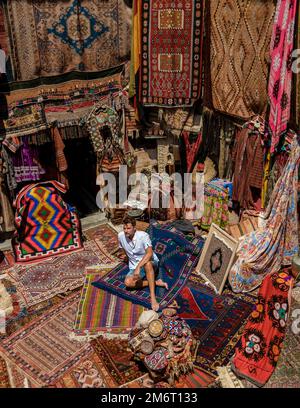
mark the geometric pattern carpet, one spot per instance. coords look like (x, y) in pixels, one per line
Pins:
(108, 363)
(43, 349)
(46, 225)
(6, 261)
(107, 234)
(118, 359)
(238, 85)
(100, 312)
(81, 35)
(38, 282)
(195, 379)
(109, 238)
(177, 258)
(89, 372)
(216, 322)
(4, 378)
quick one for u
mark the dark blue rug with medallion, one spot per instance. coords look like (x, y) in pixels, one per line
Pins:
(178, 256)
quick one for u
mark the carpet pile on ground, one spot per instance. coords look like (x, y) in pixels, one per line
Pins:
(69, 316)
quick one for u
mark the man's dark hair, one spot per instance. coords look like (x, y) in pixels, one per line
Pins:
(129, 220)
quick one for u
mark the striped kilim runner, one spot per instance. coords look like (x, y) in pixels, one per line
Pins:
(196, 379)
(100, 312)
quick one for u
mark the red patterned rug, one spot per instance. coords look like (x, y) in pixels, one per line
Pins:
(106, 234)
(195, 379)
(43, 349)
(216, 321)
(118, 359)
(4, 379)
(7, 259)
(171, 52)
(108, 364)
(90, 372)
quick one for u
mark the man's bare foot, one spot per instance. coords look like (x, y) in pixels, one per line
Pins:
(154, 305)
(162, 284)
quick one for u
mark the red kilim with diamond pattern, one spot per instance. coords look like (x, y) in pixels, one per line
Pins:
(171, 52)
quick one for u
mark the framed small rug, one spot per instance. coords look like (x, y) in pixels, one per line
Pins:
(217, 257)
(102, 313)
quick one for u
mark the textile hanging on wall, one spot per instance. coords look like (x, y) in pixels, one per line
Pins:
(103, 124)
(53, 37)
(63, 87)
(63, 104)
(24, 120)
(3, 33)
(3, 46)
(6, 212)
(266, 249)
(8, 169)
(26, 163)
(272, 173)
(257, 355)
(214, 124)
(191, 144)
(227, 137)
(135, 55)
(61, 161)
(248, 158)
(280, 80)
(237, 55)
(171, 52)
(298, 74)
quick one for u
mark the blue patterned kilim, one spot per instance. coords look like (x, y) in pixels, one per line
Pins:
(78, 28)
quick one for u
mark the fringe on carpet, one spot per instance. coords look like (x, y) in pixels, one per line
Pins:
(228, 379)
(105, 335)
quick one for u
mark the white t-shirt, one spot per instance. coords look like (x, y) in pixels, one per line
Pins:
(136, 248)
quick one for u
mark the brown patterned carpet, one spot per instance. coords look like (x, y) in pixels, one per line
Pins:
(237, 53)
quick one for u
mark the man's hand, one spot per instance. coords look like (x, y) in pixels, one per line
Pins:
(136, 273)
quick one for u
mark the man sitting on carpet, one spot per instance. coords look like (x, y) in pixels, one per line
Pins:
(142, 260)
